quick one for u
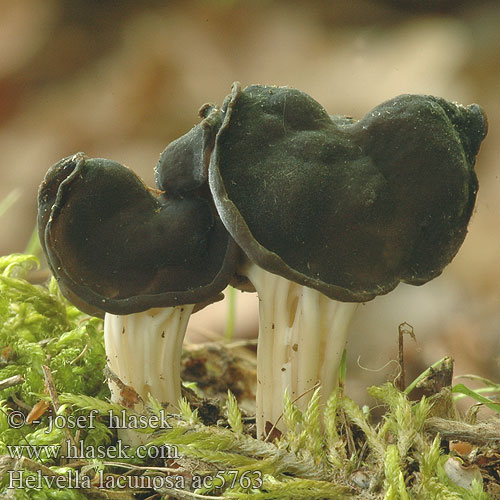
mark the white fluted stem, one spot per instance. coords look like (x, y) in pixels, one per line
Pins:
(302, 336)
(144, 351)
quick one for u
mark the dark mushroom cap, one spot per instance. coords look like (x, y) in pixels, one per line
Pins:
(115, 247)
(183, 165)
(350, 208)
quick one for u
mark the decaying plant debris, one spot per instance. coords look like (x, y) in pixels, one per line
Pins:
(406, 455)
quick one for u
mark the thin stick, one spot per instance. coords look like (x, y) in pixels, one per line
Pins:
(51, 388)
(11, 382)
(85, 349)
(402, 329)
(483, 433)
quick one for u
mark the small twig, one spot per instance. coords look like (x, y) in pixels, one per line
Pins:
(85, 349)
(402, 329)
(11, 382)
(51, 388)
(483, 433)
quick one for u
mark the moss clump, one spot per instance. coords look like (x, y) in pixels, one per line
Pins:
(39, 327)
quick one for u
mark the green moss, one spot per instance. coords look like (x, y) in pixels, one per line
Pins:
(38, 326)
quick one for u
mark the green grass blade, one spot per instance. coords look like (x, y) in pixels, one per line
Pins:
(462, 389)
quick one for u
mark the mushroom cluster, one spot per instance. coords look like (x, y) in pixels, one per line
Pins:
(315, 212)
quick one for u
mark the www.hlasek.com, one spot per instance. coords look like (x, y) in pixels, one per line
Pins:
(80, 451)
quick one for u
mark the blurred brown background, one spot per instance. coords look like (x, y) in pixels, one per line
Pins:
(121, 79)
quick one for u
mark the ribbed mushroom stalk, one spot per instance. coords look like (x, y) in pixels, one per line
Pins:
(144, 351)
(302, 337)
(330, 209)
(145, 261)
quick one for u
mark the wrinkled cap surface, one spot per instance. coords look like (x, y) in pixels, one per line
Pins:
(115, 247)
(350, 208)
